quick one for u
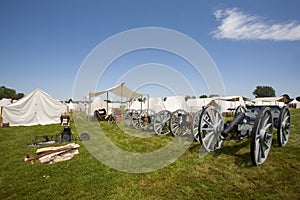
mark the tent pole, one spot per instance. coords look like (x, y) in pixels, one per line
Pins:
(148, 101)
(107, 101)
(90, 108)
(122, 94)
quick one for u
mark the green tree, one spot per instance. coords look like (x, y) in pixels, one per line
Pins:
(213, 95)
(203, 96)
(141, 99)
(187, 97)
(9, 93)
(263, 91)
(287, 98)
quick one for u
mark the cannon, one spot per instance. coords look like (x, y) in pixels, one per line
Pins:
(128, 117)
(184, 123)
(143, 119)
(254, 122)
(178, 123)
(175, 119)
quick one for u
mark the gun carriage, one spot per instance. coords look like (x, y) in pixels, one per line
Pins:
(254, 122)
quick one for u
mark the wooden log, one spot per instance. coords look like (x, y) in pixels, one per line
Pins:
(48, 152)
(58, 157)
(45, 149)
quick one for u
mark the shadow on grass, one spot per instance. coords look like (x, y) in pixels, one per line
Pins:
(239, 151)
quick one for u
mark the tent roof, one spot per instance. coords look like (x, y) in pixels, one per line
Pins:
(269, 99)
(232, 98)
(294, 101)
(120, 90)
(5, 102)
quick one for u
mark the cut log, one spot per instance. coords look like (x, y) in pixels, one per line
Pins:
(59, 156)
(45, 149)
(52, 150)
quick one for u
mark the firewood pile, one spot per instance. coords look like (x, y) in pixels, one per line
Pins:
(55, 154)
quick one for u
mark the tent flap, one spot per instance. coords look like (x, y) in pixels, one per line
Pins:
(120, 90)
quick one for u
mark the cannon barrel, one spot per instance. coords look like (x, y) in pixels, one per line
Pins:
(237, 119)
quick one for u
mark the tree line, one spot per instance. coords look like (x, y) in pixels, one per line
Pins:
(259, 91)
(9, 93)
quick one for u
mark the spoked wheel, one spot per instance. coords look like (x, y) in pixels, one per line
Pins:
(147, 118)
(128, 117)
(195, 125)
(180, 123)
(261, 136)
(239, 109)
(210, 128)
(283, 127)
(161, 123)
(136, 119)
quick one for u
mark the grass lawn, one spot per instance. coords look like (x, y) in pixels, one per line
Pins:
(224, 174)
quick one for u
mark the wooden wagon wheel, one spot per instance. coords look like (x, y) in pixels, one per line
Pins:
(195, 125)
(180, 123)
(136, 119)
(161, 123)
(283, 127)
(261, 136)
(210, 128)
(239, 109)
(128, 117)
(147, 118)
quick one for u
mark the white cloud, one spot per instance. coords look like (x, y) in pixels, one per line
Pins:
(237, 25)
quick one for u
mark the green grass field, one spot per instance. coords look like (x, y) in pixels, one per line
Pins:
(224, 174)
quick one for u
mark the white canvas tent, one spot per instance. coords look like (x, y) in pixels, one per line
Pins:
(229, 103)
(197, 104)
(99, 103)
(224, 104)
(71, 105)
(155, 104)
(279, 101)
(294, 104)
(4, 102)
(120, 90)
(135, 105)
(174, 103)
(35, 108)
(80, 107)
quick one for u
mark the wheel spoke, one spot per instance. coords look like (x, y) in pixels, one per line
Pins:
(208, 135)
(219, 123)
(286, 119)
(261, 146)
(267, 126)
(208, 122)
(265, 120)
(210, 142)
(175, 129)
(158, 126)
(207, 129)
(284, 135)
(268, 142)
(213, 120)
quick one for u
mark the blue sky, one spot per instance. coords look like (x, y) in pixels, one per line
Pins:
(44, 43)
